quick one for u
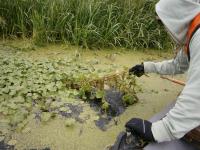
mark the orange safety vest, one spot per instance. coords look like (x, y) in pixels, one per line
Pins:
(194, 26)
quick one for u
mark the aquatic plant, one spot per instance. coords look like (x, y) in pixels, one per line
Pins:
(90, 23)
(93, 88)
(46, 88)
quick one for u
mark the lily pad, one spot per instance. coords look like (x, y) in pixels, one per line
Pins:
(100, 94)
(12, 106)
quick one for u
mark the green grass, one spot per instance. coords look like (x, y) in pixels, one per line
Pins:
(90, 23)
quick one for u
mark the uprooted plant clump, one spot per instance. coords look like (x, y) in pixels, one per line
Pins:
(48, 88)
(112, 93)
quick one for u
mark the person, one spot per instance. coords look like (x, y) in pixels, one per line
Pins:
(181, 18)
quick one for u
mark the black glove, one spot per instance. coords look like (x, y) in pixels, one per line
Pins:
(137, 70)
(141, 128)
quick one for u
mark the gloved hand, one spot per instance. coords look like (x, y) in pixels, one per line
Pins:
(137, 70)
(141, 128)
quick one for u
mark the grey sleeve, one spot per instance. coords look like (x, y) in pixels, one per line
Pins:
(185, 115)
(178, 65)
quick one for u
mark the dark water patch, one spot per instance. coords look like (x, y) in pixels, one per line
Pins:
(66, 110)
(114, 98)
(102, 123)
(4, 146)
(75, 111)
(116, 108)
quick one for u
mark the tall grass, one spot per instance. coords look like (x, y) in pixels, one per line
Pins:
(91, 23)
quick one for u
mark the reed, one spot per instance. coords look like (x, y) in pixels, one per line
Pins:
(90, 23)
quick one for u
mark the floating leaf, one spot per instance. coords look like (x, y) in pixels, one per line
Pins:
(105, 106)
(5, 90)
(100, 94)
(12, 105)
(59, 84)
(128, 99)
(18, 99)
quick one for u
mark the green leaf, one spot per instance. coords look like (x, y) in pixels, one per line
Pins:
(128, 99)
(35, 96)
(12, 105)
(19, 99)
(105, 106)
(12, 92)
(5, 90)
(100, 94)
(17, 118)
(59, 84)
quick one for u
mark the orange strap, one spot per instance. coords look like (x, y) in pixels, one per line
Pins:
(195, 24)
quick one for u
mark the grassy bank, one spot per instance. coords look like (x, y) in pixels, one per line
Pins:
(90, 23)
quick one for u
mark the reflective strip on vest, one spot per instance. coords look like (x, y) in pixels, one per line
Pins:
(195, 24)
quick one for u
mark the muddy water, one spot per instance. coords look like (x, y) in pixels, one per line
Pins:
(156, 94)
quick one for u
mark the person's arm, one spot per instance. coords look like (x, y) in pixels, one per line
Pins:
(185, 115)
(178, 65)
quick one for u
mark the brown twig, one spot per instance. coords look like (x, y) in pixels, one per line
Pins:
(173, 80)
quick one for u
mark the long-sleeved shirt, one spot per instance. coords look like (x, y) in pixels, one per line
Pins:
(185, 115)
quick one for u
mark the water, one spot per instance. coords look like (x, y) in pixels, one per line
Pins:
(156, 94)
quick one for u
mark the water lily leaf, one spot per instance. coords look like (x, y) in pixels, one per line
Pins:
(5, 90)
(29, 95)
(59, 84)
(35, 96)
(51, 87)
(12, 105)
(12, 92)
(18, 99)
(27, 106)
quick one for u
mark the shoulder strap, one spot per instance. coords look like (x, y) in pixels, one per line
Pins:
(195, 24)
